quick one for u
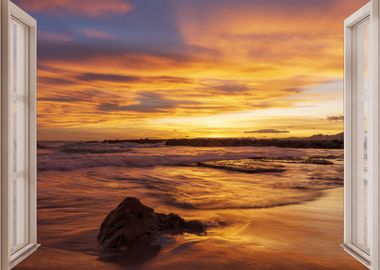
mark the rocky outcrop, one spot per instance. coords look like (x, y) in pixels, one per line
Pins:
(305, 160)
(133, 222)
(244, 166)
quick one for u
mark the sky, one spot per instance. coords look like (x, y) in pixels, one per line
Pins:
(121, 69)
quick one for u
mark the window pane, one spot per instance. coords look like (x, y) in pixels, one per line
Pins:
(19, 135)
(360, 135)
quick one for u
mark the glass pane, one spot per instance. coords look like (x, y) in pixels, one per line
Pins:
(19, 135)
(360, 135)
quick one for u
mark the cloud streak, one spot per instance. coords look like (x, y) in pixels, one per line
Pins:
(336, 118)
(146, 102)
(268, 131)
(91, 8)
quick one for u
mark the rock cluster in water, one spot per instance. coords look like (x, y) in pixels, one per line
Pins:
(133, 222)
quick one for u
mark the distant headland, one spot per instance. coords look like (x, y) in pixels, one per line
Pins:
(316, 141)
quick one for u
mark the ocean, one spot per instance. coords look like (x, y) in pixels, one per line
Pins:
(79, 183)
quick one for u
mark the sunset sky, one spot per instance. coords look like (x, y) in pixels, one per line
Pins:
(189, 68)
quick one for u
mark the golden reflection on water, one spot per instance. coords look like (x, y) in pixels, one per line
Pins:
(246, 230)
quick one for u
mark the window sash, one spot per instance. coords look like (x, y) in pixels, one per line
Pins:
(355, 244)
(18, 167)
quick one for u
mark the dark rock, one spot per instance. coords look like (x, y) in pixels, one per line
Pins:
(133, 222)
(319, 161)
(40, 146)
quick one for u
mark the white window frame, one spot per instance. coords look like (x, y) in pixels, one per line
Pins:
(371, 260)
(10, 259)
(375, 139)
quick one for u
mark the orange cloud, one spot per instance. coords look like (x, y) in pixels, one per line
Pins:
(240, 69)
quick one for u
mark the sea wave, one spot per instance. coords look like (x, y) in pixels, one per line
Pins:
(72, 156)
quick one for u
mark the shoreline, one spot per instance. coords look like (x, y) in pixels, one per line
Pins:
(302, 236)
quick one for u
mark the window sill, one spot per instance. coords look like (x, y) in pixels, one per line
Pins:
(23, 253)
(357, 255)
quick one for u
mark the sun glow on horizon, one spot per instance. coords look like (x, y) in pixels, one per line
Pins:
(187, 69)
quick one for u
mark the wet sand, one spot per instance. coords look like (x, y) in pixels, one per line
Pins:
(306, 236)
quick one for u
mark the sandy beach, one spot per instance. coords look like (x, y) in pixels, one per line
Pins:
(267, 207)
(305, 236)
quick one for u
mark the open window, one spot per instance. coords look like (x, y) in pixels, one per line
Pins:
(18, 141)
(18, 135)
(362, 135)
